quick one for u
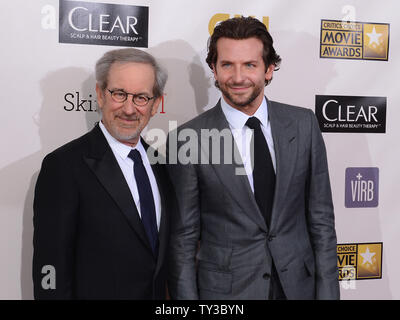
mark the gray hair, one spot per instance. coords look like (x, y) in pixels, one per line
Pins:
(103, 66)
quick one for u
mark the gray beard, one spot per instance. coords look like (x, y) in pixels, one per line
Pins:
(132, 136)
(124, 137)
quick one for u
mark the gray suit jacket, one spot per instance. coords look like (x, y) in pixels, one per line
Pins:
(221, 247)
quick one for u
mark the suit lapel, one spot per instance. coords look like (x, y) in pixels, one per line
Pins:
(102, 162)
(284, 132)
(237, 184)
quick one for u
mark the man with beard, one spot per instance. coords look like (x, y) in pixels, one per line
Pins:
(101, 207)
(268, 233)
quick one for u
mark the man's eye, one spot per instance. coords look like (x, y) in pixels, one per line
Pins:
(119, 94)
(141, 98)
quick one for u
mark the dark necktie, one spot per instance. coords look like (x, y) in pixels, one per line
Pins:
(147, 207)
(263, 172)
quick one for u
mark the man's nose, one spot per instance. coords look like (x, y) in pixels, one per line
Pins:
(238, 75)
(129, 106)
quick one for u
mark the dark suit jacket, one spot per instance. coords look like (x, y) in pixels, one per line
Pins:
(218, 211)
(87, 226)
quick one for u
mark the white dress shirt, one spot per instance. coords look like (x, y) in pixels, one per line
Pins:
(126, 164)
(242, 133)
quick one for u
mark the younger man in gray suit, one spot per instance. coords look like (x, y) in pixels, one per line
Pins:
(268, 233)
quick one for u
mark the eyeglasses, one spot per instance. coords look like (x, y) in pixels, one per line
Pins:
(121, 96)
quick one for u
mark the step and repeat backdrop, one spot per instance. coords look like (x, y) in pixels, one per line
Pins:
(339, 58)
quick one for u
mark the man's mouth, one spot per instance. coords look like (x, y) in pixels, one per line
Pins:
(239, 89)
(128, 121)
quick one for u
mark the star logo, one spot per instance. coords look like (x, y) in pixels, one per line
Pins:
(367, 256)
(360, 260)
(376, 41)
(374, 37)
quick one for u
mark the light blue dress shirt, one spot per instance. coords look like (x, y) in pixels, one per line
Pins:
(242, 134)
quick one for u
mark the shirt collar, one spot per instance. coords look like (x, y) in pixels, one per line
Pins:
(237, 119)
(118, 147)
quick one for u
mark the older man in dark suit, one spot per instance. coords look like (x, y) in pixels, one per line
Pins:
(101, 207)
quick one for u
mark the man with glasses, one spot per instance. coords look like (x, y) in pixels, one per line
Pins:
(101, 207)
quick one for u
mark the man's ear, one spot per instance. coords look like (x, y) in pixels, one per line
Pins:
(270, 72)
(100, 96)
(156, 104)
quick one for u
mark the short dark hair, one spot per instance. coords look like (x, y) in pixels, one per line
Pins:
(243, 28)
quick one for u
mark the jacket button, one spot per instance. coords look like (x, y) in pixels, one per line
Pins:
(270, 238)
(266, 276)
